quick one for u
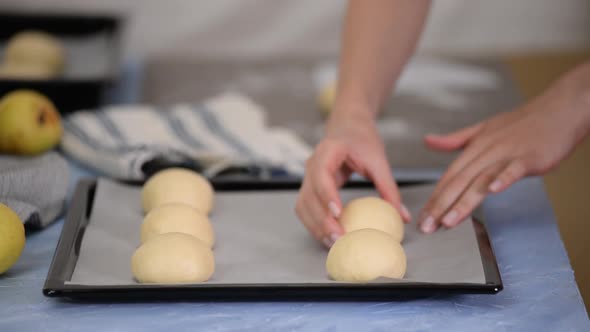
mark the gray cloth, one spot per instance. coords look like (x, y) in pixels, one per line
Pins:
(34, 187)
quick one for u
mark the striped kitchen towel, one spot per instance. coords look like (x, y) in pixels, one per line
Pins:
(225, 132)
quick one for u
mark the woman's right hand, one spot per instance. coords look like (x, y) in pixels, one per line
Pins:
(351, 144)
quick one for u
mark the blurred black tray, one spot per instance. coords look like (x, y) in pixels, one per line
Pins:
(70, 93)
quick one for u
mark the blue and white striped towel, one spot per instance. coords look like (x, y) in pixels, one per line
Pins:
(223, 132)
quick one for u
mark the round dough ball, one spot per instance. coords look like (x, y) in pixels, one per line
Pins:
(365, 255)
(177, 185)
(173, 258)
(372, 212)
(25, 71)
(326, 98)
(35, 47)
(177, 217)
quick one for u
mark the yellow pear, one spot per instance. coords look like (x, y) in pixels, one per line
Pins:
(12, 238)
(29, 123)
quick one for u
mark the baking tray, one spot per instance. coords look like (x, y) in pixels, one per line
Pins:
(59, 279)
(92, 45)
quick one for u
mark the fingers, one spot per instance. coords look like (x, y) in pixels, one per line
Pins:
(381, 175)
(454, 140)
(470, 198)
(457, 200)
(515, 171)
(325, 205)
(326, 175)
(343, 176)
(318, 204)
(330, 229)
(318, 221)
(304, 215)
(449, 190)
(458, 166)
(325, 187)
(471, 153)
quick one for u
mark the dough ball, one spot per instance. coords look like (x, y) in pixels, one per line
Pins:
(177, 185)
(173, 258)
(177, 217)
(25, 71)
(326, 98)
(35, 47)
(365, 255)
(372, 212)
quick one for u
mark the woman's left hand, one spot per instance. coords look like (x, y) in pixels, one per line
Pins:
(505, 148)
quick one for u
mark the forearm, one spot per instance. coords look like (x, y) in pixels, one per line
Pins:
(378, 38)
(582, 76)
(570, 94)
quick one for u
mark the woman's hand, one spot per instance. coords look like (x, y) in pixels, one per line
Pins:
(352, 144)
(500, 151)
(378, 38)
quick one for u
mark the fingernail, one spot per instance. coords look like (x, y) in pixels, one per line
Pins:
(450, 218)
(334, 237)
(406, 213)
(427, 225)
(495, 186)
(334, 209)
(327, 242)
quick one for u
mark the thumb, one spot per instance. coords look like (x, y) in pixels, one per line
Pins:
(454, 140)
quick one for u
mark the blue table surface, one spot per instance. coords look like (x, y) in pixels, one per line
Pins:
(540, 293)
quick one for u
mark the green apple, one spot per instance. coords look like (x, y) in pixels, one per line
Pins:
(12, 238)
(29, 123)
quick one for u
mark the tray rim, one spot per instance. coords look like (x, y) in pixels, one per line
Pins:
(67, 249)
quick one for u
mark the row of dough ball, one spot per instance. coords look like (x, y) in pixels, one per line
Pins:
(32, 54)
(176, 234)
(371, 246)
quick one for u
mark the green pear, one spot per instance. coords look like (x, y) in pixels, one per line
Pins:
(29, 123)
(12, 238)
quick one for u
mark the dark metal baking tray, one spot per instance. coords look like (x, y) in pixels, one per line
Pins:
(68, 250)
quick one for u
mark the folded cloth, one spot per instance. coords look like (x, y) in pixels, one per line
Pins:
(34, 187)
(225, 132)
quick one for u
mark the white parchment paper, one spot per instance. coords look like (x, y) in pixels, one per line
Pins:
(260, 240)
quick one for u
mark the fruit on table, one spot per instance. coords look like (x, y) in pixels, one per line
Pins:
(36, 49)
(12, 238)
(29, 123)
